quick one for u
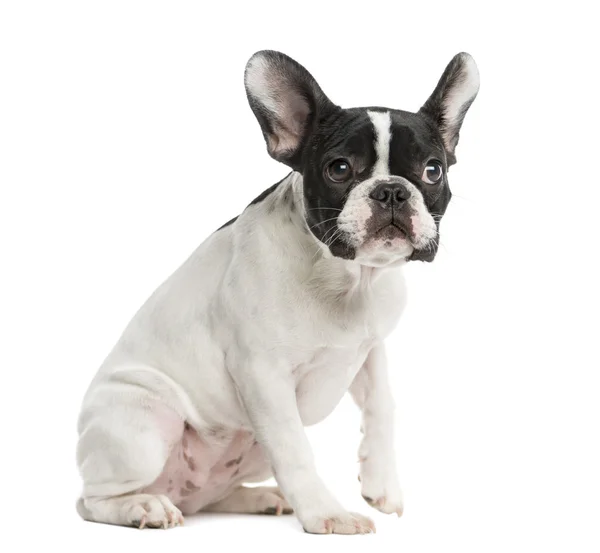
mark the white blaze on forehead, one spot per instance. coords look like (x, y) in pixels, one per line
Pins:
(383, 134)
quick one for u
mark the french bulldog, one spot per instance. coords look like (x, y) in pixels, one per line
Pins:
(275, 316)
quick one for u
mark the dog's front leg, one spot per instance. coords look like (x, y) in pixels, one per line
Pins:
(371, 392)
(269, 397)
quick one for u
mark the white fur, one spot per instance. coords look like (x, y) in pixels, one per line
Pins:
(382, 123)
(231, 340)
(259, 84)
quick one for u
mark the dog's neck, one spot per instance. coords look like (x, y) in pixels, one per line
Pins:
(340, 277)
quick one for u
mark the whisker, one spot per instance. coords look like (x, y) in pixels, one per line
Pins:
(317, 250)
(335, 236)
(324, 209)
(323, 222)
(461, 197)
(334, 228)
(337, 230)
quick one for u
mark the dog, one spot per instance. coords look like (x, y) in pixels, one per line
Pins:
(275, 316)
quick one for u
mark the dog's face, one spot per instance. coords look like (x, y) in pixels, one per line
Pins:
(375, 179)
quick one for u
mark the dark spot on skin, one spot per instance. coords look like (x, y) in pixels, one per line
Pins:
(234, 461)
(219, 432)
(191, 463)
(191, 486)
(237, 471)
(187, 426)
(170, 481)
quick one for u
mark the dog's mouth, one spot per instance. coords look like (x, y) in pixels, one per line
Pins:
(392, 231)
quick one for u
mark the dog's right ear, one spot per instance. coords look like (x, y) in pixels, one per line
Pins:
(287, 102)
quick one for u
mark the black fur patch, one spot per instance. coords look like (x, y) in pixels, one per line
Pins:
(230, 222)
(268, 191)
(256, 200)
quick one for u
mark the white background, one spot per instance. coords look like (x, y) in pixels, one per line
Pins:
(126, 138)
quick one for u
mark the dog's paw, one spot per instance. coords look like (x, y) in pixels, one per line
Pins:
(152, 511)
(382, 494)
(342, 523)
(385, 505)
(270, 501)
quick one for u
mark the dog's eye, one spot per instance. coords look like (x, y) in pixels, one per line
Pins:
(339, 170)
(433, 172)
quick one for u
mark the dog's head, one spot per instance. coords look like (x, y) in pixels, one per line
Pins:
(375, 179)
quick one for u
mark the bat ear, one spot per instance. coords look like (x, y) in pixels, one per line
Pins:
(286, 100)
(451, 99)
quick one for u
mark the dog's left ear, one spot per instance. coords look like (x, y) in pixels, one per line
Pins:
(287, 102)
(451, 99)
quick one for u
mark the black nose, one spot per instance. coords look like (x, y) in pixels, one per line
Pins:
(390, 193)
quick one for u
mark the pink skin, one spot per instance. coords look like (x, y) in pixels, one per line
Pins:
(415, 221)
(202, 469)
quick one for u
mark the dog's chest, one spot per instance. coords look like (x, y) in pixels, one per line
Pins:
(325, 378)
(333, 352)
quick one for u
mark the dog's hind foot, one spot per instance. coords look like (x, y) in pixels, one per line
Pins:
(262, 500)
(138, 510)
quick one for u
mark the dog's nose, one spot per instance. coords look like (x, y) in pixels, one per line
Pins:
(390, 193)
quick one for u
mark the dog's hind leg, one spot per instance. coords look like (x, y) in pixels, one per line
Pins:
(126, 435)
(263, 500)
